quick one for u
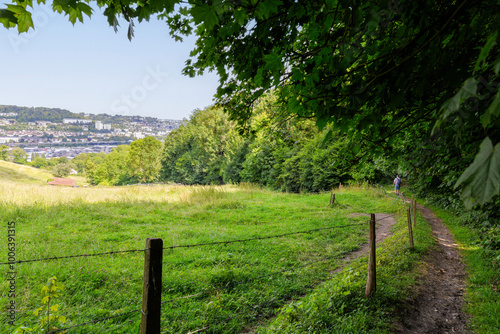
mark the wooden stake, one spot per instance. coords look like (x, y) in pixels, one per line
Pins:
(332, 199)
(371, 281)
(151, 293)
(410, 231)
(340, 185)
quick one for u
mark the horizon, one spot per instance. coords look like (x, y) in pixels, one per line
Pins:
(35, 107)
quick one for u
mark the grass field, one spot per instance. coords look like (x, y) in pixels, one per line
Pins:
(244, 285)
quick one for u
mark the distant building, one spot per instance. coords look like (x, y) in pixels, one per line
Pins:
(4, 140)
(139, 135)
(98, 125)
(43, 123)
(59, 181)
(76, 121)
(107, 126)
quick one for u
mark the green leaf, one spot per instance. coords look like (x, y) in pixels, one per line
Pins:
(496, 67)
(7, 18)
(84, 8)
(490, 43)
(23, 17)
(468, 90)
(481, 180)
(240, 16)
(492, 111)
(204, 13)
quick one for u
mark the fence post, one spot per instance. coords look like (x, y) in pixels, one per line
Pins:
(332, 199)
(371, 281)
(410, 231)
(151, 293)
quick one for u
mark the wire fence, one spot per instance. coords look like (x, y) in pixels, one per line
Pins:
(212, 289)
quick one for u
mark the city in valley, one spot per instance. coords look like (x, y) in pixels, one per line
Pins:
(51, 132)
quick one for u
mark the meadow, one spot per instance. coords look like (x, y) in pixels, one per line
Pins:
(239, 287)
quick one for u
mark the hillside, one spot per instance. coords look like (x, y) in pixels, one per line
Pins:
(27, 114)
(12, 172)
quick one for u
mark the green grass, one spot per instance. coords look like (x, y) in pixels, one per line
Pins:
(20, 173)
(10, 171)
(239, 280)
(339, 305)
(483, 280)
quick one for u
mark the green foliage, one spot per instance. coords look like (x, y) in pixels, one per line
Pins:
(204, 150)
(144, 159)
(19, 155)
(25, 114)
(48, 315)
(63, 169)
(481, 179)
(4, 152)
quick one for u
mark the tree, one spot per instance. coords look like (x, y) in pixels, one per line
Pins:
(4, 152)
(19, 155)
(374, 69)
(39, 162)
(144, 159)
(199, 151)
(63, 169)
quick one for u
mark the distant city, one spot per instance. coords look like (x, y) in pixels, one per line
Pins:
(54, 133)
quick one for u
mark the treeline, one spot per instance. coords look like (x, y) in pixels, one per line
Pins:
(26, 114)
(284, 154)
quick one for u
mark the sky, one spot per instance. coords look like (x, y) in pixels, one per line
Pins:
(91, 69)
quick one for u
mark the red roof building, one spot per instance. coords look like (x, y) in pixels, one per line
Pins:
(59, 181)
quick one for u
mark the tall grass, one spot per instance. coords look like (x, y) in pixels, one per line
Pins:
(247, 279)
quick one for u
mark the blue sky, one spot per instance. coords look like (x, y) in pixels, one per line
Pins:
(90, 68)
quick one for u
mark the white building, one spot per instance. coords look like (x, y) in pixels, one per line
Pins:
(98, 125)
(76, 121)
(4, 140)
(139, 135)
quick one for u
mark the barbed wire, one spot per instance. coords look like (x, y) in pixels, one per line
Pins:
(75, 256)
(178, 246)
(94, 321)
(259, 238)
(233, 284)
(258, 306)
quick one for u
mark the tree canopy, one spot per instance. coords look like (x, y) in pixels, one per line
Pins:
(374, 69)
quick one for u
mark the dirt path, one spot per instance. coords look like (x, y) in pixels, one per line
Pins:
(384, 223)
(437, 307)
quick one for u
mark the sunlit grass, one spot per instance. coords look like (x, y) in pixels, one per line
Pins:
(58, 221)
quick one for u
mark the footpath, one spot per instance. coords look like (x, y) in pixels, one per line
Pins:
(437, 307)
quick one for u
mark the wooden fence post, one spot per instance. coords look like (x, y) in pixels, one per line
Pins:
(151, 293)
(410, 231)
(332, 199)
(371, 281)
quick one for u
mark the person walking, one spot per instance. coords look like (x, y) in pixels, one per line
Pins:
(397, 184)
